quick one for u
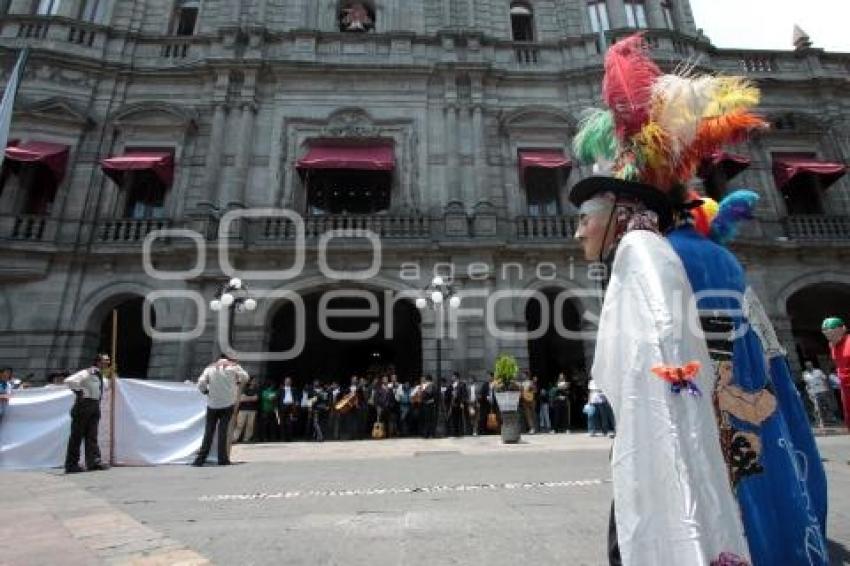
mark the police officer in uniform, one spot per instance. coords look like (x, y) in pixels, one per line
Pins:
(87, 385)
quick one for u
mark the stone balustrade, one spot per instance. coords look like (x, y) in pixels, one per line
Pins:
(818, 227)
(28, 228)
(390, 227)
(52, 32)
(546, 227)
(566, 54)
(120, 231)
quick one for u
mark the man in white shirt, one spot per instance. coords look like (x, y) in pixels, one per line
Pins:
(87, 385)
(220, 382)
(817, 387)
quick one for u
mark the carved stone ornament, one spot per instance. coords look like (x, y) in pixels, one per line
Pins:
(351, 124)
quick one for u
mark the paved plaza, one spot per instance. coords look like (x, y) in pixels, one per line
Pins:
(375, 503)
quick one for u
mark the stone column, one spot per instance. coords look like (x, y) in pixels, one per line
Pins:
(213, 158)
(69, 9)
(20, 7)
(479, 153)
(784, 332)
(453, 185)
(616, 14)
(243, 155)
(655, 15)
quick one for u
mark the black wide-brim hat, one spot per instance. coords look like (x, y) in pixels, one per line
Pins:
(654, 199)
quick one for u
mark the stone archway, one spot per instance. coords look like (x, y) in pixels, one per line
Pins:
(134, 344)
(560, 348)
(807, 307)
(396, 342)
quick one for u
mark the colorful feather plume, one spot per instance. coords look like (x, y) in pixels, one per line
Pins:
(627, 86)
(595, 139)
(678, 106)
(731, 94)
(713, 134)
(737, 207)
(658, 128)
(704, 214)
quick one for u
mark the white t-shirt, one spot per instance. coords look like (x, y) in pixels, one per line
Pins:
(815, 381)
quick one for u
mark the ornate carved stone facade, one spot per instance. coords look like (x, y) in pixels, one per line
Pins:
(242, 99)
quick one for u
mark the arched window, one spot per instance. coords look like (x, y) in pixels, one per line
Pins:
(356, 17)
(522, 22)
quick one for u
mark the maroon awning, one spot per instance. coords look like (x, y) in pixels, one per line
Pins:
(787, 170)
(54, 156)
(731, 164)
(544, 159)
(364, 158)
(160, 163)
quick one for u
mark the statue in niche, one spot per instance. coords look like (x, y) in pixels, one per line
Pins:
(356, 17)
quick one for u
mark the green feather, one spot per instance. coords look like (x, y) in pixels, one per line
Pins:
(595, 139)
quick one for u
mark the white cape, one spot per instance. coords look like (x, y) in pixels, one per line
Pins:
(673, 501)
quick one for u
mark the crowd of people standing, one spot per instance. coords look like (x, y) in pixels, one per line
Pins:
(384, 406)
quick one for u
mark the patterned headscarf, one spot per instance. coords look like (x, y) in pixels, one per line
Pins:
(628, 214)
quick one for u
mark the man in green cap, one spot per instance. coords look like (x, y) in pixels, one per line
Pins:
(839, 346)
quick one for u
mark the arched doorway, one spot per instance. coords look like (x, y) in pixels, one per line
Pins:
(397, 343)
(134, 344)
(553, 352)
(807, 308)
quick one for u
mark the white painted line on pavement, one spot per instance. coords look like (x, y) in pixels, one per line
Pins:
(402, 490)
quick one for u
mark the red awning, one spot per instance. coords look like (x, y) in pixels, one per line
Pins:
(54, 156)
(544, 159)
(160, 163)
(787, 170)
(730, 163)
(364, 158)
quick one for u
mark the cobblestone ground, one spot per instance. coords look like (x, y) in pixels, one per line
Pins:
(400, 502)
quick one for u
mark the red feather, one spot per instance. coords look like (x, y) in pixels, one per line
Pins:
(627, 86)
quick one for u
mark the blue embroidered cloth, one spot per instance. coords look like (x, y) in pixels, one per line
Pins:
(775, 466)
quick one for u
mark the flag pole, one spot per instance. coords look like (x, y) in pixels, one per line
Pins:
(113, 387)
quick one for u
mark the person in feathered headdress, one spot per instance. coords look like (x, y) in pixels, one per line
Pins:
(652, 137)
(674, 504)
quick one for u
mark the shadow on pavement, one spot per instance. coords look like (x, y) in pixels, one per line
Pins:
(838, 553)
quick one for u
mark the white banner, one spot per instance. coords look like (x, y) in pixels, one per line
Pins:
(35, 428)
(156, 422)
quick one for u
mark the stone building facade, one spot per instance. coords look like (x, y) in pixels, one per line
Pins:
(456, 117)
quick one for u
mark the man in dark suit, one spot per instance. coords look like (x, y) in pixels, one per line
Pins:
(458, 398)
(428, 408)
(482, 405)
(289, 400)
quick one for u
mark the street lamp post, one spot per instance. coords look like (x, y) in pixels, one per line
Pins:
(235, 298)
(437, 294)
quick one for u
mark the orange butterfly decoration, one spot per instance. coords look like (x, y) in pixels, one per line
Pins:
(680, 377)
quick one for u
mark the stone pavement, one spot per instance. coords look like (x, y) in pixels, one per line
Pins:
(46, 519)
(410, 502)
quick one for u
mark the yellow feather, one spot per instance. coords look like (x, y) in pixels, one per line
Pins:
(654, 144)
(731, 94)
